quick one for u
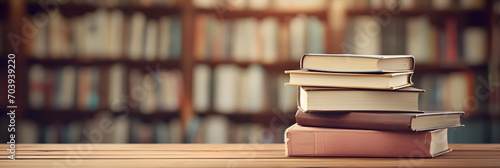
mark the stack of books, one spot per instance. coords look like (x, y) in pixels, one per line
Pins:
(363, 106)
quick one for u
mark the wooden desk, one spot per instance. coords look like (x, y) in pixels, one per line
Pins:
(224, 155)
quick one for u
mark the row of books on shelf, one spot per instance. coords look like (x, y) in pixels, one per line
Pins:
(225, 89)
(416, 4)
(118, 3)
(229, 88)
(91, 88)
(445, 42)
(257, 40)
(108, 34)
(210, 129)
(463, 91)
(120, 130)
(350, 4)
(228, 5)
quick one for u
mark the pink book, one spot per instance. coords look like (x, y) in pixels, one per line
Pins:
(318, 141)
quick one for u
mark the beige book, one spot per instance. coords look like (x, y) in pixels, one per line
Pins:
(357, 63)
(318, 99)
(386, 81)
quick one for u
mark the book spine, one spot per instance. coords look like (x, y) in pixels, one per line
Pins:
(354, 120)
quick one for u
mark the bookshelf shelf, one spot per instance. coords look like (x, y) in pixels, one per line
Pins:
(51, 115)
(228, 13)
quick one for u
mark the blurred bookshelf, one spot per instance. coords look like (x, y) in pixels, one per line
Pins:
(219, 64)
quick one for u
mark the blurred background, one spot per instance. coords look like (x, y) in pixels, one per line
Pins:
(211, 71)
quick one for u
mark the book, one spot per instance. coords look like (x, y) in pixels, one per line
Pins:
(346, 99)
(297, 36)
(202, 75)
(417, 38)
(164, 38)
(36, 86)
(387, 81)
(383, 121)
(315, 33)
(315, 141)
(226, 87)
(150, 47)
(136, 35)
(357, 63)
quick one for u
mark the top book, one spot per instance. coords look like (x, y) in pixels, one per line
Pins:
(350, 63)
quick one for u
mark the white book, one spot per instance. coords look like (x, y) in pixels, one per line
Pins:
(101, 28)
(39, 45)
(151, 41)
(115, 34)
(367, 38)
(474, 43)
(116, 88)
(310, 5)
(441, 4)
(297, 37)
(136, 35)
(149, 84)
(238, 42)
(259, 4)
(287, 95)
(58, 35)
(175, 131)
(121, 134)
(417, 38)
(170, 90)
(315, 35)
(205, 3)
(217, 129)
(67, 93)
(269, 30)
(457, 87)
(252, 94)
(164, 38)
(251, 44)
(237, 4)
(201, 87)
(226, 88)
(36, 83)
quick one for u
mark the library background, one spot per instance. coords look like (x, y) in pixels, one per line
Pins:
(212, 71)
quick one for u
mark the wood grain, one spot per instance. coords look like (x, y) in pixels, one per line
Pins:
(224, 155)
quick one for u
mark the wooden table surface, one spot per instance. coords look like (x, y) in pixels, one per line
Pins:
(224, 155)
